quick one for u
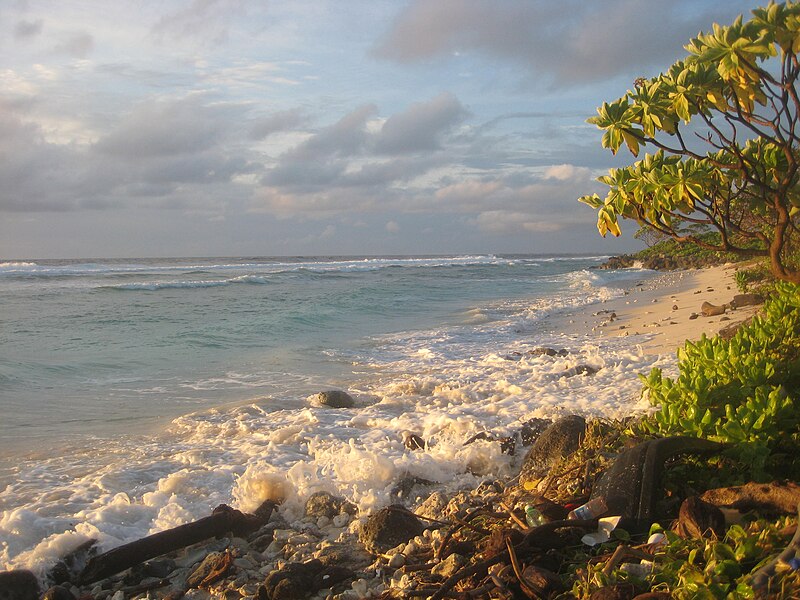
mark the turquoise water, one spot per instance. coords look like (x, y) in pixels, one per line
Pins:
(104, 346)
(136, 395)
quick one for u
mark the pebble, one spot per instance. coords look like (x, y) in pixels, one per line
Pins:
(397, 560)
(341, 520)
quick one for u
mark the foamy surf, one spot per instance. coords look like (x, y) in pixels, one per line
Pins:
(445, 383)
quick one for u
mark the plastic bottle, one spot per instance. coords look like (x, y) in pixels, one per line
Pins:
(593, 508)
(532, 516)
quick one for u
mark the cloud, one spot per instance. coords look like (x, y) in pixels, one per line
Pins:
(571, 42)
(206, 20)
(78, 46)
(158, 128)
(28, 29)
(286, 120)
(420, 126)
(392, 227)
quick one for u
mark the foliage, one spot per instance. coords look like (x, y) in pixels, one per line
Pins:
(753, 278)
(739, 173)
(745, 391)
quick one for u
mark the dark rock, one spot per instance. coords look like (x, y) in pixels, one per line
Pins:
(632, 484)
(585, 370)
(412, 441)
(152, 568)
(727, 333)
(710, 310)
(324, 504)
(58, 593)
(72, 563)
(558, 441)
(617, 591)
(740, 300)
(332, 575)
(724, 319)
(546, 583)
(674, 307)
(654, 596)
(18, 585)
(335, 399)
(406, 485)
(693, 316)
(699, 519)
(532, 429)
(544, 351)
(388, 528)
(293, 581)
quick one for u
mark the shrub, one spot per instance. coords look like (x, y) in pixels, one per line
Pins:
(744, 391)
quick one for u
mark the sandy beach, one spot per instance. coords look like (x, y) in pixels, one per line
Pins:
(660, 310)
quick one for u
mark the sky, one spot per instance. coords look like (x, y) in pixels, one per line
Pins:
(316, 127)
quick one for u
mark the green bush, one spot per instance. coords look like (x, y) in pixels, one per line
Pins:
(744, 391)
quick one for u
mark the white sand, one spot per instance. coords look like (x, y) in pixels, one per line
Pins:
(659, 310)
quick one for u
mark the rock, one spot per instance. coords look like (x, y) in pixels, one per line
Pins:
(324, 504)
(579, 370)
(213, 568)
(547, 583)
(727, 332)
(693, 316)
(18, 585)
(406, 485)
(58, 593)
(674, 307)
(412, 441)
(152, 568)
(335, 399)
(389, 527)
(449, 566)
(654, 596)
(617, 591)
(544, 351)
(776, 498)
(558, 441)
(710, 310)
(532, 429)
(632, 485)
(344, 554)
(740, 300)
(332, 575)
(699, 519)
(293, 581)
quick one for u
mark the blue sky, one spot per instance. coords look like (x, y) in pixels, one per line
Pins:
(302, 127)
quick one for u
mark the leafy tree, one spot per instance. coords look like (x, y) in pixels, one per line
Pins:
(724, 127)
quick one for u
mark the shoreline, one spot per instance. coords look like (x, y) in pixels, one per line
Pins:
(644, 305)
(657, 313)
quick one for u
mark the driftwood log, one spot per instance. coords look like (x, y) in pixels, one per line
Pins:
(223, 519)
(778, 497)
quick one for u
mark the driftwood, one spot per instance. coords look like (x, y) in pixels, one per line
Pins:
(223, 519)
(763, 577)
(777, 497)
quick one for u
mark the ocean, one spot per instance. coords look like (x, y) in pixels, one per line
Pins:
(138, 394)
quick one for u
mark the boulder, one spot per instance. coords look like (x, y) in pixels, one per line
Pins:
(558, 441)
(711, 310)
(388, 528)
(324, 504)
(18, 585)
(740, 300)
(293, 581)
(335, 399)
